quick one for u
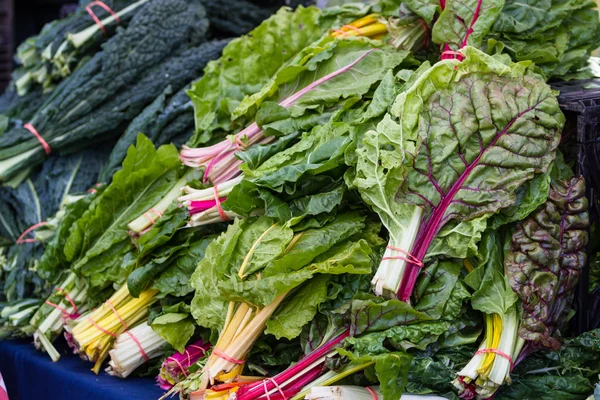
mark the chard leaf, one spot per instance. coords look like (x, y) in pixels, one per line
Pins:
(208, 310)
(466, 169)
(259, 244)
(318, 151)
(493, 294)
(242, 69)
(53, 260)
(344, 258)
(176, 328)
(175, 280)
(314, 242)
(256, 155)
(391, 370)
(325, 73)
(545, 260)
(522, 15)
(300, 309)
(101, 235)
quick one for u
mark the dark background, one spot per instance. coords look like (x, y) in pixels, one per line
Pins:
(20, 19)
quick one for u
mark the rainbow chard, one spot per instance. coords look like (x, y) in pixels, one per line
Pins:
(546, 258)
(469, 135)
(175, 368)
(301, 95)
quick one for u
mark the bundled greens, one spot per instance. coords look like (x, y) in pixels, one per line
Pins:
(369, 200)
(64, 45)
(96, 101)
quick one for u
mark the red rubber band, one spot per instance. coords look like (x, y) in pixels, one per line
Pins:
(101, 328)
(352, 28)
(69, 299)
(222, 213)
(88, 8)
(226, 357)
(341, 32)
(180, 366)
(131, 335)
(150, 218)
(39, 137)
(239, 144)
(64, 311)
(411, 259)
(375, 397)
(31, 228)
(500, 353)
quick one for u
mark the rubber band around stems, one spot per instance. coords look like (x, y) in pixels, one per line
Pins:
(341, 32)
(26, 231)
(375, 397)
(62, 309)
(39, 137)
(411, 259)
(101, 4)
(276, 385)
(101, 328)
(68, 297)
(131, 335)
(239, 144)
(351, 28)
(500, 353)
(150, 218)
(183, 370)
(222, 213)
(217, 352)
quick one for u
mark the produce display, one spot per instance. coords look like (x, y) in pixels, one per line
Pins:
(363, 200)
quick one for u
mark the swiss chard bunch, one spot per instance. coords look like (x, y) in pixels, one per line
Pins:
(262, 275)
(457, 147)
(527, 306)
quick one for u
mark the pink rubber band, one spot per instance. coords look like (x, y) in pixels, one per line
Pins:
(226, 357)
(150, 218)
(131, 335)
(64, 311)
(69, 299)
(180, 366)
(352, 28)
(31, 228)
(239, 144)
(411, 259)
(101, 328)
(39, 137)
(341, 32)
(375, 397)
(222, 213)
(500, 353)
(88, 8)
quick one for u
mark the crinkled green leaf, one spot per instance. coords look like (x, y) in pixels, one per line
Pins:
(299, 309)
(547, 254)
(247, 64)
